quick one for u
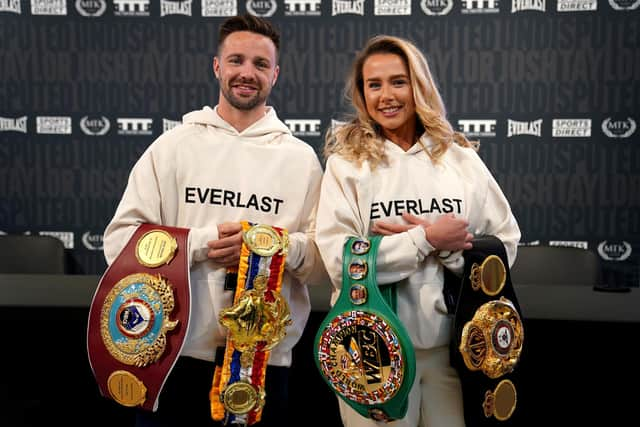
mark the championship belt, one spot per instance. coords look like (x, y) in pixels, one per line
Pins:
(488, 335)
(362, 349)
(256, 323)
(139, 316)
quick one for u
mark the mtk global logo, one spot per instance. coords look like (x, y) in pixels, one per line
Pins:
(436, 7)
(624, 4)
(93, 242)
(264, 8)
(618, 128)
(91, 8)
(95, 126)
(614, 251)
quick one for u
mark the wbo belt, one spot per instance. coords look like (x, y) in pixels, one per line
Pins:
(488, 335)
(139, 315)
(256, 323)
(362, 350)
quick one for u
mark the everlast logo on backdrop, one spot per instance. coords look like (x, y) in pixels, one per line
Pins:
(131, 7)
(436, 7)
(221, 197)
(618, 128)
(392, 7)
(302, 7)
(10, 6)
(91, 8)
(18, 124)
(416, 207)
(263, 8)
(169, 124)
(518, 5)
(168, 7)
(304, 127)
(515, 127)
(614, 251)
(341, 7)
(219, 7)
(480, 6)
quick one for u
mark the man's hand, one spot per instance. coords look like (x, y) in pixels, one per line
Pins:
(226, 250)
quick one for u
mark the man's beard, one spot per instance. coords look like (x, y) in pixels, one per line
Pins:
(240, 103)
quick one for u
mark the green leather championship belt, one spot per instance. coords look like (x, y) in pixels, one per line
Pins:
(488, 336)
(362, 349)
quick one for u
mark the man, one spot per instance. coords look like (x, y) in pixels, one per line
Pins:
(231, 163)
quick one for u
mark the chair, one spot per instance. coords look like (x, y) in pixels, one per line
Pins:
(556, 265)
(31, 254)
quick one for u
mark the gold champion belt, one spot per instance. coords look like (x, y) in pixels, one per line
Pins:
(488, 335)
(139, 314)
(256, 323)
(361, 349)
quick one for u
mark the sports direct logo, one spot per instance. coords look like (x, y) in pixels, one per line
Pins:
(571, 128)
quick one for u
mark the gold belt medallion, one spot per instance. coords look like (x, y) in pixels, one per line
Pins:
(156, 248)
(501, 402)
(135, 319)
(492, 340)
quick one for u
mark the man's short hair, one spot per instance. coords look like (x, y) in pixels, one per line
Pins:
(250, 23)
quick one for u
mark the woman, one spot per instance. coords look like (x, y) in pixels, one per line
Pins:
(398, 169)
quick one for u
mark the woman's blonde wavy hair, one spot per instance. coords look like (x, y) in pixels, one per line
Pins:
(361, 138)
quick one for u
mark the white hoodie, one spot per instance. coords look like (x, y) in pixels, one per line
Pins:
(353, 198)
(203, 173)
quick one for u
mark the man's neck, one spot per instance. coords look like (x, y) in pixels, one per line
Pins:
(241, 119)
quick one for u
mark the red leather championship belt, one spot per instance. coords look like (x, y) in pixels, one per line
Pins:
(139, 315)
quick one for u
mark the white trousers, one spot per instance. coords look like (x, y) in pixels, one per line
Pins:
(435, 399)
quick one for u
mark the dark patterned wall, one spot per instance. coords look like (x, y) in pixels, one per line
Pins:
(551, 88)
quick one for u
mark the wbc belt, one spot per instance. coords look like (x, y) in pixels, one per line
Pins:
(362, 350)
(488, 336)
(256, 323)
(139, 315)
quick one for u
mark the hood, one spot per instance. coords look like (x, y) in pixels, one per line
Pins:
(266, 129)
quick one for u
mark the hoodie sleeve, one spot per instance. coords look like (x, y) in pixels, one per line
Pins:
(344, 211)
(143, 201)
(304, 261)
(493, 216)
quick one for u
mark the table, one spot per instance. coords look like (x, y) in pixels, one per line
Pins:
(546, 302)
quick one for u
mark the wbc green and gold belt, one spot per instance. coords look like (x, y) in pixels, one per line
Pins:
(362, 349)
